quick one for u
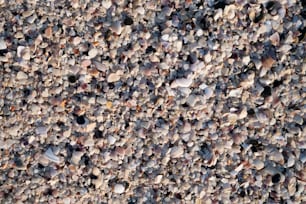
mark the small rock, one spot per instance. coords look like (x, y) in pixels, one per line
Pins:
(158, 179)
(13, 131)
(267, 62)
(23, 52)
(176, 152)
(2, 44)
(182, 82)
(86, 63)
(107, 4)
(76, 157)
(21, 75)
(51, 156)
(42, 130)
(116, 27)
(111, 140)
(113, 77)
(92, 53)
(258, 164)
(119, 188)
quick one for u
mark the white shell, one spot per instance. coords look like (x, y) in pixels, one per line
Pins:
(119, 188)
(176, 152)
(51, 156)
(182, 82)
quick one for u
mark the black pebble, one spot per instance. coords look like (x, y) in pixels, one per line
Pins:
(220, 4)
(150, 49)
(303, 13)
(277, 83)
(259, 16)
(128, 21)
(272, 7)
(26, 92)
(266, 92)
(80, 120)
(203, 23)
(72, 79)
(276, 178)
(98, 134)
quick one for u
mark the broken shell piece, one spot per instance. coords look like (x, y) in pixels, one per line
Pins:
(182, 82)
(275, 39)
(267, 62)
(113, 77)
(229, 11)
(177, 152)
(23, 52)
(51, 156)
(119, 188)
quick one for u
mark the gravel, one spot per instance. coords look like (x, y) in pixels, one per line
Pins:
(152, 102)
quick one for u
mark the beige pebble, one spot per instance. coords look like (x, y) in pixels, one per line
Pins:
(113, 77)
(21, 75)
(258, 164)
(92, 53)
(176, 152)
(119, 188)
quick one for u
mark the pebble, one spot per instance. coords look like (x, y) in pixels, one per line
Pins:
(113, 77)
(76, 157)
(177, 152)
(2, 44)
(51, 156)
(106, 4)
(92, 53)
(258, 164)
(116, 27)
(182, 82)
(42, 130)
(21, 75)
(119, 188)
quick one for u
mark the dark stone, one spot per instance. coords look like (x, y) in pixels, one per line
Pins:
(219, 4)
(98, 134)
(80, 120)
(72, 79)
(276, 178)
(203, 23)
(128, 21)
(277, 83)
(266, 92)
(150, 49)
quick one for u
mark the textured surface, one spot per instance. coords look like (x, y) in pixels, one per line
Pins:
(152, 101)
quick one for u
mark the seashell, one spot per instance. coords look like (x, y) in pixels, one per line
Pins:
(76, 157)
(182, 82)
(276, 156)
(42, 130)
(230, 11)
(258, 164)
(51, 156)
(176, 152)
(113, 77)
(2, 44)
(23, 52)
(291, 186)
(267, 62)
(119, 188)
(275, 39)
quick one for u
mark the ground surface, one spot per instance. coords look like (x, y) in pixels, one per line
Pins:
(152, 101)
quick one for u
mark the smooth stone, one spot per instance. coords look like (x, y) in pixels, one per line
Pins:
(119, 188)
(2, 44)
(21, 75)
(51, 156)
(92, 53)
(113, 77)
(182, 82)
